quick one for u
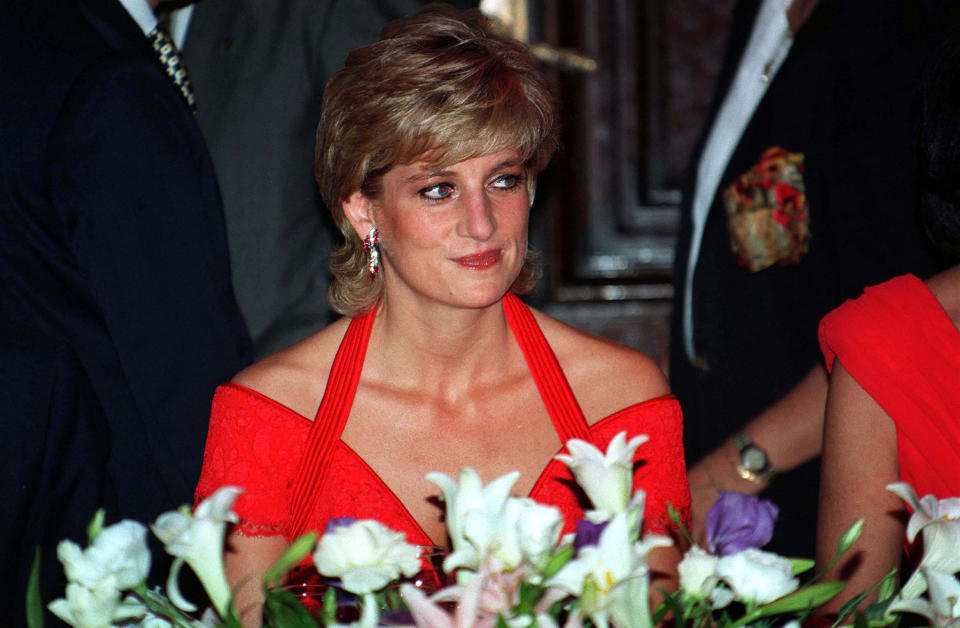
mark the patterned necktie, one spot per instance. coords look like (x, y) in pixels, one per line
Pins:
(173, 63)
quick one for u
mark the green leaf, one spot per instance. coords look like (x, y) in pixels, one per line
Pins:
(800, 565)
(849, 537)
(329, 606)
(501, 622)
(803, 599)
(860, 621)
(95, 526)
(588, 598)
(671, 602)
(281, 608)
(392, 600)
(849, 607)
(678, 522)
(887, 586)
(294, 554)
(529, 595)
(886, 621)
(34, 603)
(232, 620)
(557, 561)
(673, 515)
(877, 612)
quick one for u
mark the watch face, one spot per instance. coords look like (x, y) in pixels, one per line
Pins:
(753, 459)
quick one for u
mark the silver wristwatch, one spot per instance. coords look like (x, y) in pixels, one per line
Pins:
(753, 464)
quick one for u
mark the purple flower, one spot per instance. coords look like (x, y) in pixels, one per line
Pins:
(333, 524)
(588, 533)
(737, 521)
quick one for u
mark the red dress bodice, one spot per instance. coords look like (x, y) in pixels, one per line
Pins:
(298, 474)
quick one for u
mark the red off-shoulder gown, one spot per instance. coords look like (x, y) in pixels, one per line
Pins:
(298, 474)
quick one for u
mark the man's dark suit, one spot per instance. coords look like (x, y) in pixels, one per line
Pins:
(846, 98)
(54, 447)
(112, 239)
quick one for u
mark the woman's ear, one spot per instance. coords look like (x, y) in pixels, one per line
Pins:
(357, 209)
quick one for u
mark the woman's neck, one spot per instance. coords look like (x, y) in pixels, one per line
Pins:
(440, 347)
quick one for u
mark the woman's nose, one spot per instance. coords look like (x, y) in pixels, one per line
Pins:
(478, 221)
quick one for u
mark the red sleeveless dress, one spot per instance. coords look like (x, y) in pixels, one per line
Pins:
(898, 343)
(298, 474)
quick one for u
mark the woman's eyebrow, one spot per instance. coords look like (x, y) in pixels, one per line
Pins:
(429, 175)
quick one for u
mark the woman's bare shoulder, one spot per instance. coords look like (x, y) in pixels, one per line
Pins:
(605, 376)
(945, 286)
(296, 376)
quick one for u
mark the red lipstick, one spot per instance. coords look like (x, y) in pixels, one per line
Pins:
(479, 261)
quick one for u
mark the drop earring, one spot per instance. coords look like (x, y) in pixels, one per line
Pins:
(371, 244)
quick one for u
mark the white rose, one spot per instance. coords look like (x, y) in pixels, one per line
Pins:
(119, 551)
(366, 556)
(88, 607)
(698, 572)
(757, 576)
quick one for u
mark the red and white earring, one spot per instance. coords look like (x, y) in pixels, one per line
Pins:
(371, 244)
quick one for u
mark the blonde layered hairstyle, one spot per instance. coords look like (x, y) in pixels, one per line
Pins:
(438, 87)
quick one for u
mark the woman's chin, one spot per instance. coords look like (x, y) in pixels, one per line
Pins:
(480, 296)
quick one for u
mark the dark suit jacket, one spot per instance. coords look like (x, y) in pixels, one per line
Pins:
(112, 237)
(847, 98)
(53, 462)
(259, 68)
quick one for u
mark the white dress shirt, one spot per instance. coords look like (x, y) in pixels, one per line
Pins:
(141, 13)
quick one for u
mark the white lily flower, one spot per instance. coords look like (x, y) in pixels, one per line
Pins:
(943, 607)
(92, 607)
(366, 556)
(525, 531)
(607, 478)
(939, 520)
(119, 551)
(611, 577)
(197, 539)
(756, 576)
(698, 573)
(471, 505)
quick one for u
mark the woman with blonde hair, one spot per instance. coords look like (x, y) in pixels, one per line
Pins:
(427, 151)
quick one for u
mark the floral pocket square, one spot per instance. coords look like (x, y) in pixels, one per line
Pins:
(767, 212)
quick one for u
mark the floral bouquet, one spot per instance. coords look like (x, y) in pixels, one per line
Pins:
(511, 566)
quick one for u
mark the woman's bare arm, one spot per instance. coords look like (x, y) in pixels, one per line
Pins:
(859, 460)
(246, 560)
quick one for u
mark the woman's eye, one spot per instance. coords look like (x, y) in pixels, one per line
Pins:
(437, 192)
(506, 181)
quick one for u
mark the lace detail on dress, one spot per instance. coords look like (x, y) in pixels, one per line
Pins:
(254, 443)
